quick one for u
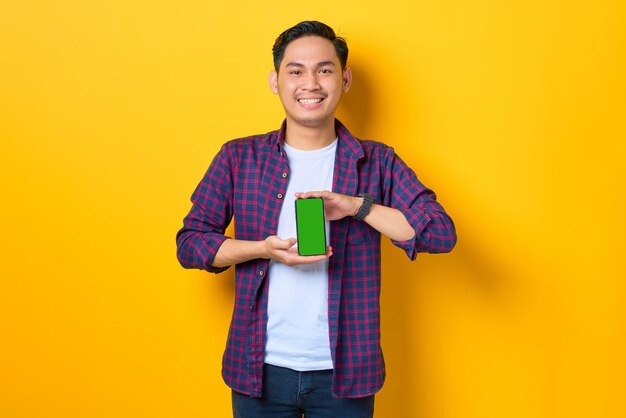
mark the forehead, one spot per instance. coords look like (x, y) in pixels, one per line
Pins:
(310, 50)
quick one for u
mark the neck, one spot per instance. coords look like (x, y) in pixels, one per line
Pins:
(310, 137)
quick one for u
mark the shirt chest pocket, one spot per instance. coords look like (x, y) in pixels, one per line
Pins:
(360, 233)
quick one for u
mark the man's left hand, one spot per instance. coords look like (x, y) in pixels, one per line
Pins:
(336, 206)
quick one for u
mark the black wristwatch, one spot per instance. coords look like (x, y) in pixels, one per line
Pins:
(368, 200)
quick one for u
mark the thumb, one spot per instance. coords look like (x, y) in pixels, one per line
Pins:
(283, 244)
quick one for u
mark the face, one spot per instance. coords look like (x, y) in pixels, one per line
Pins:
(310, 81)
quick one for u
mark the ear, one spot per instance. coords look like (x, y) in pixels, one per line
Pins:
(273, 80)
(347, 79)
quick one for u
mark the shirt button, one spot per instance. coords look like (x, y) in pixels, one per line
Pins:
(284, 175)
(261, 272)
(279, 195)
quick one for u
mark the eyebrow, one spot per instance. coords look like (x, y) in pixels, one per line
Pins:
(319, 64)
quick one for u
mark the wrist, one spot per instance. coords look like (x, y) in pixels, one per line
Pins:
(358, 202)
(263, 250)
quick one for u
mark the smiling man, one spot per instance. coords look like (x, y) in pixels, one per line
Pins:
(305, 334)
(310, 89)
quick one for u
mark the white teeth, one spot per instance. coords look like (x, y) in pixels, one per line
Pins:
(309, 101)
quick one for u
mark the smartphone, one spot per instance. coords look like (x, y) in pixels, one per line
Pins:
(311, 226)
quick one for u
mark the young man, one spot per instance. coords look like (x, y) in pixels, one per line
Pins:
(305, 332)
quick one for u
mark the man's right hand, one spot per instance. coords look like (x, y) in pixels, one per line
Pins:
(233, 251)
(285, 252)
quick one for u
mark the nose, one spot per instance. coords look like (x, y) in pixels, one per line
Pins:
(310, 81)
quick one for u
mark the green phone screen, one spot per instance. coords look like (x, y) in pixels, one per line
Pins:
(310, 225)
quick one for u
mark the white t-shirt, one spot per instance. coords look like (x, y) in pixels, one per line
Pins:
(297, 327)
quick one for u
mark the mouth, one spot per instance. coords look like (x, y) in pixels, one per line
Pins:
(310, 101)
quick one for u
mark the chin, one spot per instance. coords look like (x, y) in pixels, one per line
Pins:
(313, 122)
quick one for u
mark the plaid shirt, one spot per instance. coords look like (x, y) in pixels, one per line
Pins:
(247, 179)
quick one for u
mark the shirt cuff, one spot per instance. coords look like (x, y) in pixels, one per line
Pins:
(213, 247)
(418, 222)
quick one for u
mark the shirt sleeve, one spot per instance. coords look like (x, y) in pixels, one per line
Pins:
(203, 228)
(434, 229)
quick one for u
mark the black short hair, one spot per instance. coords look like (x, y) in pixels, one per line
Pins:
(309, 28)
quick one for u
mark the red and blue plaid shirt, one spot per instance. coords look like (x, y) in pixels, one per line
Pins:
(247, 180)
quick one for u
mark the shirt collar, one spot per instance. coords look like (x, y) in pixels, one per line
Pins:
(346, 143)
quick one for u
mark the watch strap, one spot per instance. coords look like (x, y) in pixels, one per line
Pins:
(365, 208)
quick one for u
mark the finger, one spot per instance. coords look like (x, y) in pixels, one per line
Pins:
(311, 193)
(309, 259)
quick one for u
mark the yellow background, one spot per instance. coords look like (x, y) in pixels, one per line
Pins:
(512, 111)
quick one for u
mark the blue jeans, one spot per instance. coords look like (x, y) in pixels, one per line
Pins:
(290, 394)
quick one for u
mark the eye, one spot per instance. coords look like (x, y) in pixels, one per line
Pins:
(294, 72)
(325, 71)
